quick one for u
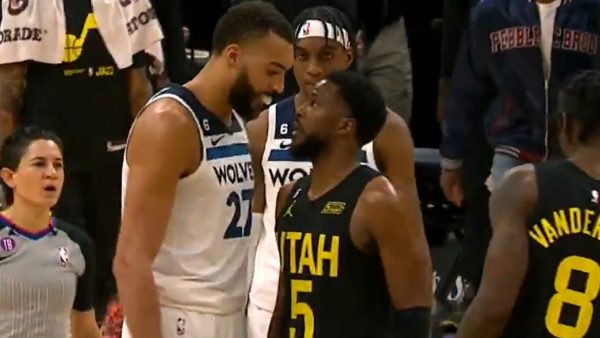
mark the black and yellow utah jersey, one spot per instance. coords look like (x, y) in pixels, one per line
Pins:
(333, 289)
(560, 294)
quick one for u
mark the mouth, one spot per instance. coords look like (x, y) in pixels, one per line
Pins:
(50, 188)
(266, 100)
(296, 127)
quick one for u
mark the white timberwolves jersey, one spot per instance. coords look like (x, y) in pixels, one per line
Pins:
(202, 264)
(280, 169)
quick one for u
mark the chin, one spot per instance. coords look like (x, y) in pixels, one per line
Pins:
(48, 203)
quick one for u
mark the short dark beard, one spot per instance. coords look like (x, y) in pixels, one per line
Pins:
(240, 96)
(309, 149)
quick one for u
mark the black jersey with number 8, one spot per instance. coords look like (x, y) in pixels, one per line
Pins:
(560, 294)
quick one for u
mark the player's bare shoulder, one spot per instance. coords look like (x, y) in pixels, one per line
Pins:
(394, 149)
(522, 176)
(378, 196)
(394, 127)
(518, 184)
(165, 129)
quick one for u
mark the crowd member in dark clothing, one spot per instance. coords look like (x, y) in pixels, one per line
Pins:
(89, 102)
(456, 17)
(477, 161)
(520, 53)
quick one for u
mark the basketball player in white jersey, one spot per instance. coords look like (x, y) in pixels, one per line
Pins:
(182, 257)
(324, 43)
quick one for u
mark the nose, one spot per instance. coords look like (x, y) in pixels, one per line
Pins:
(301, 111)
(314, 69)
(278, 85)
(50, 171)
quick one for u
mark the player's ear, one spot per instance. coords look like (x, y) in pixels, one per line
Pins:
(349, 56)
(347, 126)
(8, 177)
(232, 55)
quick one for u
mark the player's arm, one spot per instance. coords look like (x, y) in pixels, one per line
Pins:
(507, 257)
(257, 137)
(12, 84)
(139, 87)
(394, 154)
(276, 325)
(404, 253)
(158, 155)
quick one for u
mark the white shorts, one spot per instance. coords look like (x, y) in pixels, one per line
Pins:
(258, 321)
(178, 323)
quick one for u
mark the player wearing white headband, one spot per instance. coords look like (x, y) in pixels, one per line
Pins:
(325, 42)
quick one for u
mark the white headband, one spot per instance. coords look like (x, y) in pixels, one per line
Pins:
(316, 29)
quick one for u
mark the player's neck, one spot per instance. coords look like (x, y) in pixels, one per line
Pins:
(211, 91)
(329, 169)
(29, 218)
(586, 158)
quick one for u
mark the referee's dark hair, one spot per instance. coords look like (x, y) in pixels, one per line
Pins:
(334, 16)
(580, 101)
(365, 102)
(14, 148)
(249, 20)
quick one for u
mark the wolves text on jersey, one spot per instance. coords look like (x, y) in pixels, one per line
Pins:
(234, 173)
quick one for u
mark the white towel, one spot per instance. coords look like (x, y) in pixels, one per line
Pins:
(128, 27)
(32, 30)
(37, 30)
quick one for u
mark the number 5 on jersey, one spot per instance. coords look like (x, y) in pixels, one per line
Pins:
(302, 309)
(235, 229)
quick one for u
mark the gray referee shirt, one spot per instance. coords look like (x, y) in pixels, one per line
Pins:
(43, 276)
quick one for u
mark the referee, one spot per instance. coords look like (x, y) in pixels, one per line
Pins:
(46, 266)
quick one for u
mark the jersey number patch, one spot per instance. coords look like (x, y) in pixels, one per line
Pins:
(582, 300)
(234, 229)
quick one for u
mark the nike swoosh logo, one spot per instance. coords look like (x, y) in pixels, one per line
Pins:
(115, 146)
(285, 144)
(216, 140)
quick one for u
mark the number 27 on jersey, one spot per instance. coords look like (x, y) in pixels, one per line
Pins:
(239, 226)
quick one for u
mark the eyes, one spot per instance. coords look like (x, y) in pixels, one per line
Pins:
(57, 165)
(275, 72)
(301, 55)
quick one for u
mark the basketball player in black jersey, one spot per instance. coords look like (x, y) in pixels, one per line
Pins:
(542, 271)
(346, 249)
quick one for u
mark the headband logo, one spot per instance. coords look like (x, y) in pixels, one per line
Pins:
(306, 29)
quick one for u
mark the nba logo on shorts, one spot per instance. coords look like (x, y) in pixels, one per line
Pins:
(63, 256)
(180, 326)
